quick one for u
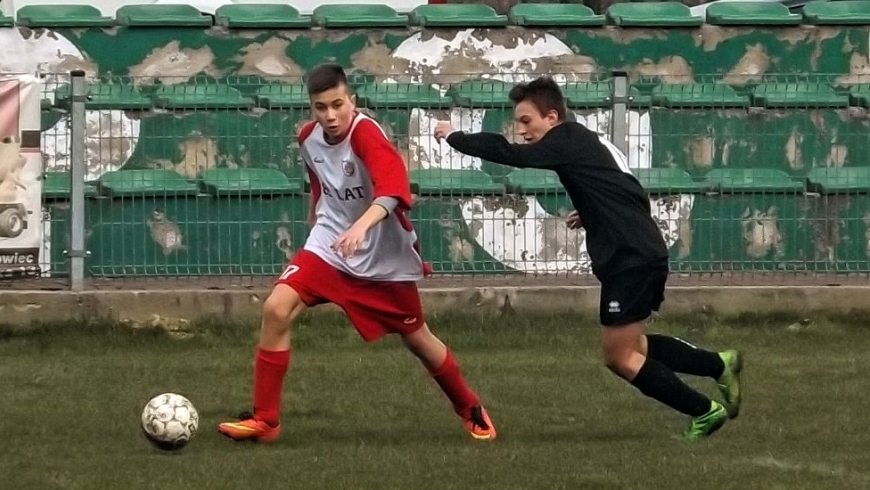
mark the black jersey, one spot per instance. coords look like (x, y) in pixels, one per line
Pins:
(614, 208)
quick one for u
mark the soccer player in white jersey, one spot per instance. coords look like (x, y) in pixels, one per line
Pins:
(362, 254)
(628, 253)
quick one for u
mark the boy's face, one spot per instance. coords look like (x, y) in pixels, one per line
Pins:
(531, 125)
(334, 109)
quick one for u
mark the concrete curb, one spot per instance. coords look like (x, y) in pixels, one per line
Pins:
(26, 307)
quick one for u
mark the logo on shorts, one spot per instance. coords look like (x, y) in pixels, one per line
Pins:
(410, 320)
(318, 159)
(348, 168)
(289, 271)
(613, 307)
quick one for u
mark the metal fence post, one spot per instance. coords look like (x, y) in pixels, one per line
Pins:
(618, 122)
(78, 163)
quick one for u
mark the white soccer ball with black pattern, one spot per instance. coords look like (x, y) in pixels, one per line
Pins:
(169, 421)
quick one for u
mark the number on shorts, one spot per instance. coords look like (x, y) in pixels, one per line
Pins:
(289, 271)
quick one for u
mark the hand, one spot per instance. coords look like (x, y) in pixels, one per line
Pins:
(573, 220)
(442, 129)
(347, 244)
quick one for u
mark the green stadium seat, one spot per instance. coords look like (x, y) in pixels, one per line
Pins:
(401, 95)
(6, 21)
(582, 95)
(457, 15)
(138, 183)
(533, 181)
(660, 181)
(481, 94)
(859, 95)
(554, 15)
(751, 13)
(639, 99)
(62, 16)
(282, 96)
(837, 180)
(841, 12)
(199, 96)
(450, 182)
(113, 96)
(358, 15)
(662, 14)
(107, 96)
(797, 95)
(754, 180)
(698, 95)
(260, 16)
(249, 181)
(152, 15)
(56, 186)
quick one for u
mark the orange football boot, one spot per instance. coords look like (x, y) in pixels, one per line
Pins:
(478, 424)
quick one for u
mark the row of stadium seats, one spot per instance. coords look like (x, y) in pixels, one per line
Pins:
(656, 181)
(277, 16)
(471, 93)
(467, 182)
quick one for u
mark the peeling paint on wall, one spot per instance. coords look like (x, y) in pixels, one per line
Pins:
(503, 55)
(24, 50)
(761, 232)
(524, 236)
(670, 69)
(673, 216)
(268, 60)
(111, 135)
(793, 153)
(171, 64)
(837, 156)
(859, 70)
(199, 153)
(110, 140)
(165, 233)
(751, 67)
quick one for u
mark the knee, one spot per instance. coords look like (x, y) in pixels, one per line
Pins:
(618, 361)
(280, 309)
(418, 340)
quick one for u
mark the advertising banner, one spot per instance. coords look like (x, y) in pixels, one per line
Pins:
(20, 182)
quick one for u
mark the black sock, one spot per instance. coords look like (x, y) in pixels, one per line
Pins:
(660, 383)
(683, 357)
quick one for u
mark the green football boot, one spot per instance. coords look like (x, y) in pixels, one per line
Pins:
(708, 423)
(729, 382)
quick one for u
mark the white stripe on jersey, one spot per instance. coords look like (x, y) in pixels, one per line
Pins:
(618, 156)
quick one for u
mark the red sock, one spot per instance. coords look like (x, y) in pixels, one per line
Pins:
(451, 381)
(270, 366)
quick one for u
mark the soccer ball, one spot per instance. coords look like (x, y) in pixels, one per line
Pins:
(169, 421)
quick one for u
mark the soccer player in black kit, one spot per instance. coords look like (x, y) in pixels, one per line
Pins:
(629, 256)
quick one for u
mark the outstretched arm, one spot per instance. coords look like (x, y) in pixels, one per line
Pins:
(496, 148)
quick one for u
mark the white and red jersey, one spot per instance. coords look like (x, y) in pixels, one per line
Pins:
(345, 178)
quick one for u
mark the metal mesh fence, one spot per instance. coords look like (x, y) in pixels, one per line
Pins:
(752, 179)
(784, 191)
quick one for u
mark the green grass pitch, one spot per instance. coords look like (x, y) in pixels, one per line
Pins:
(360, 416)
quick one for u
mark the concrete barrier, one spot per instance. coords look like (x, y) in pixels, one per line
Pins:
(27, 307)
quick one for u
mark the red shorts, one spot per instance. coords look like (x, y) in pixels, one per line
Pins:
(375, 308)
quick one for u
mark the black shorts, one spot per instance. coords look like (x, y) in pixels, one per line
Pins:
(632, 295)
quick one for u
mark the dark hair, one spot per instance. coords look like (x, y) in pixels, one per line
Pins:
(325, 77)
(543, 93)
